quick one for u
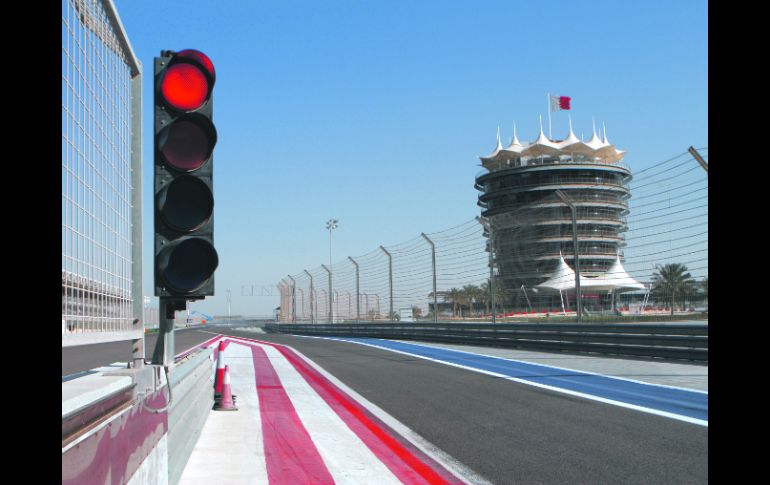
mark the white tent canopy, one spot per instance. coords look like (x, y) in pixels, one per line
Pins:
(615, 278)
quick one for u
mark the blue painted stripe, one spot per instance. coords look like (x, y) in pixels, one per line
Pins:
(671, 400)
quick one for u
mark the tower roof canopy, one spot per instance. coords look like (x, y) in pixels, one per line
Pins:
(596, 147)
(572, 144)
(541, 146)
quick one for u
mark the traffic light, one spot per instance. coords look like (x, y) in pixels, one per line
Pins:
(185, 258)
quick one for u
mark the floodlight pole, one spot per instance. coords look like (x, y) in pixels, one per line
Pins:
(569, 203)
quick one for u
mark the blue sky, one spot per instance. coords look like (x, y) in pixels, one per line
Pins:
(375, 113)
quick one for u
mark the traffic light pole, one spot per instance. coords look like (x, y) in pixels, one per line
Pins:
(164, 347)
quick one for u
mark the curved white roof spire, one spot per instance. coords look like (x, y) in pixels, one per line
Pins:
(497, 150)
(515, 140)
(571, 139)
(595, 142)
(515, 147)
(541, 146)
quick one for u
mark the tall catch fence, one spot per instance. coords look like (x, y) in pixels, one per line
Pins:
(663, 246)
(101, 176)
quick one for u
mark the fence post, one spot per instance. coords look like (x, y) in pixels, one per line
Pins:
(487, 224)
(329, 298)
(578, 295)
(699, 159)
(293, 300)
(433, 262)
(136, 219)
(302, 301)
(312, 319)
(358, 295)
(390, 280)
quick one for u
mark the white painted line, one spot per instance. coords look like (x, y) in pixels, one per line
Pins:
(346, 457)
(549, 366)
(448, 462)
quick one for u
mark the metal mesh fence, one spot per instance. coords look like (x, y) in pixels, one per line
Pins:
(96, 191)
(667, 231)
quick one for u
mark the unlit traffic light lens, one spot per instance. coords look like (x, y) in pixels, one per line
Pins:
(188, 264)
(186, 204)
(188, 143)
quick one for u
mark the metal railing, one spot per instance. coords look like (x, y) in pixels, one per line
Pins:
(101, 176)
(667, 224)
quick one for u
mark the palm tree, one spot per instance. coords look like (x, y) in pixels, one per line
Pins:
(454, 295)
(671, 280)
(473, 294)
(487, 298)
(499, 294)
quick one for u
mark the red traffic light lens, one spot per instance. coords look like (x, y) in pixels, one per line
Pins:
(185, 87)
(187, 143)
(199, 57)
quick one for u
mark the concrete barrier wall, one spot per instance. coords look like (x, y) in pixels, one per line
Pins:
(192, 388)
(118, 426)
(111, 431)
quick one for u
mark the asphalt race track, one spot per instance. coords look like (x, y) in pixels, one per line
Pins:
(510, 432)
(506, 431)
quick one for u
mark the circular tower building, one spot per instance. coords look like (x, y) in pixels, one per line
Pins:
(530, 228)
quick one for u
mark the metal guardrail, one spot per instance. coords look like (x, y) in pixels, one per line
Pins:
(656, 340)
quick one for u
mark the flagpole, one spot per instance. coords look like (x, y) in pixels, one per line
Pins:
(548, 95)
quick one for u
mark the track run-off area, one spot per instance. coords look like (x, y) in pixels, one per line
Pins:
(378, 411)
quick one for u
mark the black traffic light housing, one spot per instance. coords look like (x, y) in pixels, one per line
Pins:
(184, 139)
